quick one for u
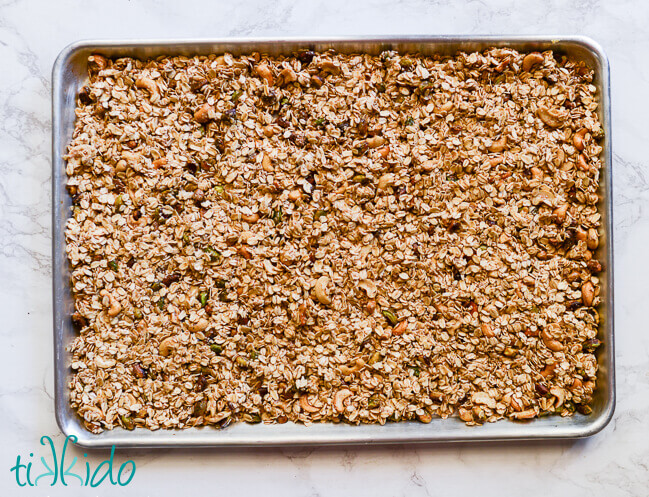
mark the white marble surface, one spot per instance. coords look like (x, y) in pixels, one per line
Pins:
(613, 463)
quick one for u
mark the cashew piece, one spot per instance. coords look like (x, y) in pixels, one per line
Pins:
(321, 290)
(400, 328)
(199, 325)
(250, 219)
(340, 397)
(385, 181)
(550, 342)
(375, 141)
(267, 164)
(560, 394)
(499, 145)
(551, 117)
(150, 86)
(487, 331)
(294, 195)
(264, 72)
(369, 287)
(103, 362)
(578, 139)
(528, 414)
(286, 76)
(114, 307)
(203, 114)
(166, 346)
(306, 406)
(587, 293)
(484, 399)
(582, 163)
(592, 239)
(560, 213)
(531, 60)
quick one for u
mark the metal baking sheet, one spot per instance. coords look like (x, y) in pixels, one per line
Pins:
(69, 74)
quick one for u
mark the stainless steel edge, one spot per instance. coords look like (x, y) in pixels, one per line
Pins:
(68, 75)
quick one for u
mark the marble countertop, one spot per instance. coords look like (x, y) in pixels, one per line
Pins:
(614, 463)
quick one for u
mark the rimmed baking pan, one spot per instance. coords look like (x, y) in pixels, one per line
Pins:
(70, 74)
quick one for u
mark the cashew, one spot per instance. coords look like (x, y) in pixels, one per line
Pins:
(537, 174)
(528, 414)
(286, 76)
(264, 72)
(400, 328)
(560, 158)
(548, 370)
(306, 405)
(550, 342)
(375, 141)
(340, 397)
(250, 218)
(167, 346)
(515, 405)
(103, 362)
(199, 325)
(587, 293)
(159, 162)
(321, 290)
(560, 213)
(484, 399)
(465, 415)
(531, 60)
(98, 61)
(494, 161)
(424, 418)
(294, 195)
(267, 164)
(150, 86)
(582, 163)
(204, 114)
(328, 66)
(499, 145)
(578, 139)
(544, 195)
(592, 239)
(114, 307)
(121, 166)
(560, 394)
(384, 152)
(551, 117)
(444, 108)
(369, 287)
(385, 181)
(487, 331)
(429, 165)
(268, 131)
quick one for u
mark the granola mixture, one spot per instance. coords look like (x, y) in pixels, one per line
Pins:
(327, 237)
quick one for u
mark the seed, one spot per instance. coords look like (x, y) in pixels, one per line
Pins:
(200, 408)
(541, 389)
(113, 265)
(127, 421)
(156, 285)
(584, 409)
(119, 201)
(169, 279)
(202, 297)
(591, 345)
(277, 215)
(374, 401)
(390, 317)
(359, 178)
(241, 362)
(201, 383)
(510, 352)
(318, 214)
(137, 313)
(244, 252)
(216, 348)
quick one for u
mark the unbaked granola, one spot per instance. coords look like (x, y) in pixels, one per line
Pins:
(330, 237)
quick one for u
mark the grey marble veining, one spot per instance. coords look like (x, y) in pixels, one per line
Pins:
(613, 463)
